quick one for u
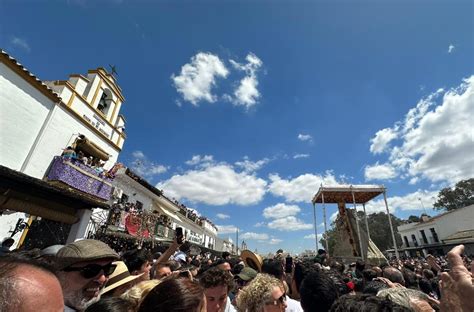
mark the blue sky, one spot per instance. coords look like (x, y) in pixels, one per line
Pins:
(241, 109)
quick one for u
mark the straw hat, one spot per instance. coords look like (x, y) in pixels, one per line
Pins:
(252, 260)
(120, 277)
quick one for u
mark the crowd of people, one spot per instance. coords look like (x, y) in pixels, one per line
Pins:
(88, 275)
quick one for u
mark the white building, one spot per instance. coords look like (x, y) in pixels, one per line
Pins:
(39, 119)
(225, 245)
(133, 190)
(437, 235)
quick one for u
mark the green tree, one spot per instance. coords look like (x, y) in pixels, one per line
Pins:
(413, 219)
(459, 196)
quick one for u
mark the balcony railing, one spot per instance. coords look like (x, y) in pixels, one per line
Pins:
(77, 175)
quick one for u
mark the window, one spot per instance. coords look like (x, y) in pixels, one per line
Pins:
(413, 238)
(105, 102)
(139, 205)
(406, 241)
(124, 198)
(423, 235)
(103, 105)
(435, 235)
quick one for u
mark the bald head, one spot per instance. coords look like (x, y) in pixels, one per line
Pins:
(27, 287)
(394, 275)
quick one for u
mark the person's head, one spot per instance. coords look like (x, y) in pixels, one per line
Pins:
(394, 275)
(273, 267)
(301, 270)
(162, 270)
(373, 287)
(175, 294)
(217, 284)
(84, 268)
(120, 280)
(428, 274)
(111, 304)
(338, 267)
(223, 265)
(226, 255)
(26, 285)
(411, 281)
(318, 292)
(174, 265)
(404, 296)
(246, 275)
(264, 293)
(138, 261)
(360, 265)
(136, 294)
(377, 270)
(364, 303)
(369, 275)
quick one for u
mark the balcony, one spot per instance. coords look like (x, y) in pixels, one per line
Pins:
(79, 176)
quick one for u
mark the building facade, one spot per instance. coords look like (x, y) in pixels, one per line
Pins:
(40, 119)
(437, 235)
(134, 201)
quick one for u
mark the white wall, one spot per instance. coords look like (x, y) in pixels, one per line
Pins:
(445, 225)
(60, 133)
(23, 110)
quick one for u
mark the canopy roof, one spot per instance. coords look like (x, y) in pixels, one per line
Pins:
(90, 148)
(343, 193)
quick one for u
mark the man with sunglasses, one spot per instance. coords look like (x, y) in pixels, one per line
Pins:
(83, 270)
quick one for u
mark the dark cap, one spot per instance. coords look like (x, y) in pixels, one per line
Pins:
(84, 250)
(247, 274)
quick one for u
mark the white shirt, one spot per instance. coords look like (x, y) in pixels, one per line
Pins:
(229, 307)
(293, 305)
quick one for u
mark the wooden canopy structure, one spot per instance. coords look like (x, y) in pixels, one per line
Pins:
(343, 193)
(355, 194)
(23, 193)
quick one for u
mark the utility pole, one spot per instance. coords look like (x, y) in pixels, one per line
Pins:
(237, 241)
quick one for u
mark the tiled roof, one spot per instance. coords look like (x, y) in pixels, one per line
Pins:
(461, 235)
(22, 69)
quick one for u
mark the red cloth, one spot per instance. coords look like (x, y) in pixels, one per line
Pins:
(350, 285)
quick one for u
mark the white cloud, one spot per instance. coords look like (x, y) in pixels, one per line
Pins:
(259, 224)
(216, 184)
(333, 217)
(280, 211)
(409, 201)
(312, 236)
(198, 77)
(296, 156)
(222, 216)
(145, 168)
(436, 136)
(254, 236)
(275, 241)
(251, 166)
(226, 229)
(299, 189)
(451, 48)
(290, 223)
(379, 172)
(21, 43)
(198, 159)
(305, 137)
(382, 139)
(247, 93)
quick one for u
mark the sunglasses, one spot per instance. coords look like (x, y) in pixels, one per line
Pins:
(278, 301)
(92, 270)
